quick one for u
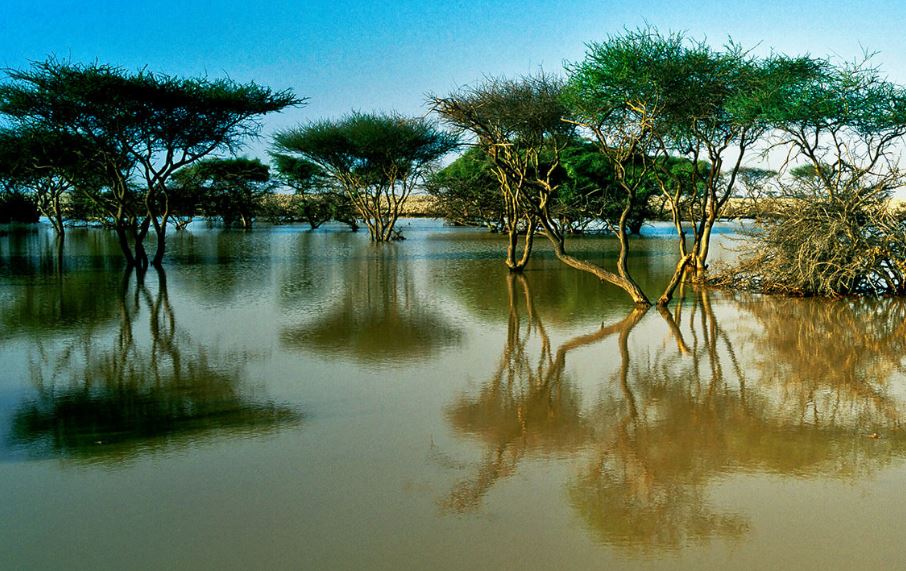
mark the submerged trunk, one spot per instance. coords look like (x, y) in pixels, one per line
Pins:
(161, 232)
(701, 249)
(675, 280)
(123, 241)
(514, 265)
(624, 281)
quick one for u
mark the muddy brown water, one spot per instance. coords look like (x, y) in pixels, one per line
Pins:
(292, 399)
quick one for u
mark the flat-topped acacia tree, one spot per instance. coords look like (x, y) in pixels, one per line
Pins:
(47, 165)
(232, 189)
(144, 126)
(377, 159)
(319, 197)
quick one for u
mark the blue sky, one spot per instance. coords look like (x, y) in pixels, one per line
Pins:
(346, 55)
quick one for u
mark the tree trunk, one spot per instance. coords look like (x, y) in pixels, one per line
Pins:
(161, 231)
(514, 265)
(678, 274)
(123, 241)
(624, 282)
(139, 234)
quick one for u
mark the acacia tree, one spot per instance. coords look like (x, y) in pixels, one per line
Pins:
(144, 126)
(376, 159)
(711, 115)
(517, 125)
(837, 235)
(754, 186)
(591, 193)
(467, 192)
(650, 99)
(521, 126)
(229, 188)
(319, 197)
(49, 166)
(15, 206)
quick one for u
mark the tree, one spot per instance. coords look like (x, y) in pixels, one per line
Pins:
(17, 207)
(836, 235)
(47, 165)
(467, 192)
(232, 189)
(592, 193)
(517, 123)
(667, 97)
(143, 127)
(376, 159)
(754, 186)
(319, 198)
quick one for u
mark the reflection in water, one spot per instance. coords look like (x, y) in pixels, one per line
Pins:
(528, 405)
(63, 305)
(220, 269)
(109, 403)
(33, 251)
(378, 316)
(837, 356)
(660, 439)
(37, 299)
(803, 393)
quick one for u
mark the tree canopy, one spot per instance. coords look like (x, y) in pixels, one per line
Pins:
(377, 159)
(143, 126)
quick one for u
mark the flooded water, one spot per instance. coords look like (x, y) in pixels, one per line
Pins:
(289, 399)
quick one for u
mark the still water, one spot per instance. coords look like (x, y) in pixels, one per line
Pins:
(293, 399)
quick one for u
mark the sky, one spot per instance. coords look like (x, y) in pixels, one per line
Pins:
(348, 55)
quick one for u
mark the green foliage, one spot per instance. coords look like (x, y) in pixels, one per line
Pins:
(674, 88)
(143, 112)
(518, 124)
(592, 193)
(231, 189)
(527, 112)
(300, 174)
(467, 192)
(49, 166)
(376, 159)
(836, 234)
(650, 98)
(377, 150)
(319, 197)
(142, 127)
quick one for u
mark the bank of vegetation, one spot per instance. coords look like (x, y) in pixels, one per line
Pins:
(648, 126)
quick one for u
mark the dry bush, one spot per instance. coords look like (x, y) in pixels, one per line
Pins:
(845, 245)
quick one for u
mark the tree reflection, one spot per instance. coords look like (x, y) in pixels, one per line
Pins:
(529, 405)
(378, 316)
(836, 359)
(41, 299)
(803, 389)
(137, 395)
(704, 411)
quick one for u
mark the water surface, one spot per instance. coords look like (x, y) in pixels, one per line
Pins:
(293, 399)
